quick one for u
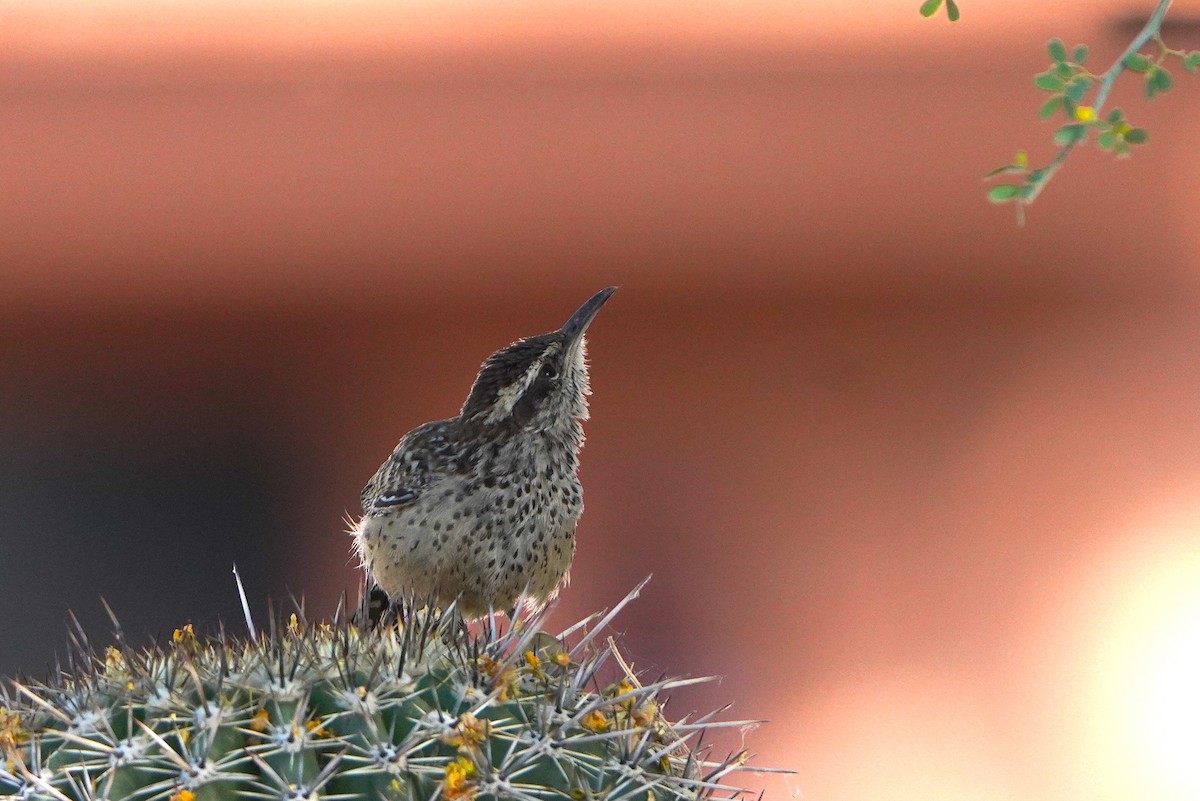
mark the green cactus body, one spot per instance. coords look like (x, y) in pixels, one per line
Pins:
(327, 711)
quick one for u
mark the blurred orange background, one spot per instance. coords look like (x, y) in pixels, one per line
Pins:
(923, 486)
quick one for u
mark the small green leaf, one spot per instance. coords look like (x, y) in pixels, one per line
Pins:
(1048, 82)
(952, 10)
(1158, 81)
(1035, 177)
(1007, 168)
(930, 7)
(1136, 136)
(1002, 193)
(1069, 134)
(1080, 54)
(1114, 116)
(1062, 70)
(1106, 140)
(1191, 62)
(1057, 50)
(1137, 63)
(1050, 107)
(1076, 91)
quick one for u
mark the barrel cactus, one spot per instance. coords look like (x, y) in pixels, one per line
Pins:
(306, 711)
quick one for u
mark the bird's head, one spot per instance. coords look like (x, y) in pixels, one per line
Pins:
(539, 383)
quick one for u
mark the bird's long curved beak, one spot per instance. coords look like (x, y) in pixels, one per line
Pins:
(573, 329)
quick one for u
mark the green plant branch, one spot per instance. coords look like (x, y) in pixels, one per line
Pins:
(1148, 32)
(1069, 84)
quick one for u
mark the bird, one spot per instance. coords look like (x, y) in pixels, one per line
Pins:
(478, 512)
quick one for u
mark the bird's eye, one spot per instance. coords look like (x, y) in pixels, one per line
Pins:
(548, 372)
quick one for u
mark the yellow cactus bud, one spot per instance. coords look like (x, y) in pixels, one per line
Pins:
(12, 731)
(457, 782)
(114, 660)
(261, 721)
(645, 713)
(595, 721)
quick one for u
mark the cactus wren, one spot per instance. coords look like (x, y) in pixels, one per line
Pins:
(481, 508)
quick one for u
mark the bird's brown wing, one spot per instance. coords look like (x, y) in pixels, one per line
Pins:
(401, 478)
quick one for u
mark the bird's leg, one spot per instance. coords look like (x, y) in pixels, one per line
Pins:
(374, 607)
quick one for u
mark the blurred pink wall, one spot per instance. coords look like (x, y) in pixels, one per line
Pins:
(922, 485)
